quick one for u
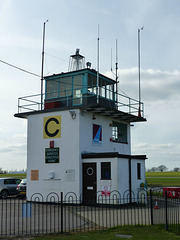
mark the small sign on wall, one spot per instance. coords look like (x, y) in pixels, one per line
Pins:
(34, 175)
(51, 155)
(52, 127)
(70, 175)
(106, 190)
(97, 134)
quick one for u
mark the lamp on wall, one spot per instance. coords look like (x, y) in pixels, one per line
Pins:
(51, 174)
(93, 117)
(73, 114)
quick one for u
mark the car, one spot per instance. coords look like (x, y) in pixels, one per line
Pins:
(8, 187)
(21, 188)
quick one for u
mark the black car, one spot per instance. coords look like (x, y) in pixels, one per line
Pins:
(21, 188)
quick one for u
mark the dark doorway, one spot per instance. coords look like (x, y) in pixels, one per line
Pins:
(89, 183)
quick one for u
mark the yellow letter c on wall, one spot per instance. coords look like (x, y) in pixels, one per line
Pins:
(52, 127)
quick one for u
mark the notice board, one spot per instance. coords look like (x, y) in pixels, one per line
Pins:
(52, 155)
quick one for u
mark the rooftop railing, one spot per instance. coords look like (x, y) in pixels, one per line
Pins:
(78, 97)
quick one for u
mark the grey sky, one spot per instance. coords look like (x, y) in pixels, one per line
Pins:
(73, 24)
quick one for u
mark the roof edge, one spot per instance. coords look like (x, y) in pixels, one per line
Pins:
(112, 155)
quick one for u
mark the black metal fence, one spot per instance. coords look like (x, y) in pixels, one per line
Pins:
(62, 214)
(165, 210)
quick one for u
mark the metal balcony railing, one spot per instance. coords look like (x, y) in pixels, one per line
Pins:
(78, 97)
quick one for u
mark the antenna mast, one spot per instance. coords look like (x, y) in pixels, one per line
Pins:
(97, 86)
(111, 62)
(139, 72)
(116, 71)
(42, 68)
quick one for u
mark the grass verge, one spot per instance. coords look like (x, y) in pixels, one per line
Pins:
(163, 181)
(14, 175)
(163, 178)
(162, 174)
(154, 232)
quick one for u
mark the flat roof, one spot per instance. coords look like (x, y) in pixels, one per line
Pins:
(81, 71)
(112, 155)
(116, 114)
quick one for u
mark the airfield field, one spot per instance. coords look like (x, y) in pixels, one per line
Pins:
(163, 178)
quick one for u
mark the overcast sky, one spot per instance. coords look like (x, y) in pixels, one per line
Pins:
(74, 24)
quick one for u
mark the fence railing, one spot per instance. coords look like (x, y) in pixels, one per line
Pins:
(69, 213)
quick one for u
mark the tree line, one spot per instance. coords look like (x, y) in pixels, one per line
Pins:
(162, 168)
(11, 171)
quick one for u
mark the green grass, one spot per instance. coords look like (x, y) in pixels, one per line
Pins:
(18, 175)
(162, 174)
(163, 178)
(164, 181)
(154, 232)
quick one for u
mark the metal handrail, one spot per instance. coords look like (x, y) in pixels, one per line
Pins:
(35, 100)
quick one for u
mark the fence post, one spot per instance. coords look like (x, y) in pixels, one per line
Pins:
(61, 212)
(166, 213)
(151, 207)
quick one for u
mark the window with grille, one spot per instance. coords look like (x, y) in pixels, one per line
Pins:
(119, 132)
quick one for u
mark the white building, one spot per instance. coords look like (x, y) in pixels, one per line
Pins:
(80, 140)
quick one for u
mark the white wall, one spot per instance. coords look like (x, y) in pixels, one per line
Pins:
(136, 182)
(76, 138)
(69, 155)
(123, 175)
(86, 131)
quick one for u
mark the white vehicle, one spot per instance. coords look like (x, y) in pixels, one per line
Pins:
(21, 188)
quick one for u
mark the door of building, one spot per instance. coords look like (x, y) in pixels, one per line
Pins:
(89, 183)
